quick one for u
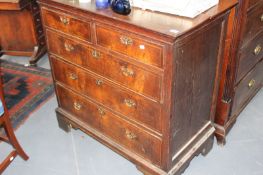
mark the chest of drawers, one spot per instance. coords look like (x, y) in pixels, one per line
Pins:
(21, 31)
(243, 67)
(145, 84)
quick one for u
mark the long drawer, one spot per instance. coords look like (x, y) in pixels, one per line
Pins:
(121, 131)
(247, 87)
(67, 24)
(140, 49)
(249, 57)
(129, 104)
(125, 73)
(254, 23)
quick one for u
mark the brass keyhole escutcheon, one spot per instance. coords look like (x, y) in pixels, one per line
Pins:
(251, 83)
(257, 50)
(96, 54)
(101, 112)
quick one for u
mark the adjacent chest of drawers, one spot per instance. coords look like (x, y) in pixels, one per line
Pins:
(145, 84)
(21, 31)
(243, 67)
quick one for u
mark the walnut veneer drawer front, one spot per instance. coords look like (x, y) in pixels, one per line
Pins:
(127, 74)
(140, 49)
(134, 106)
(122, 132)
(67, 24)
(254, 23)
(250, 55)
(247, 87)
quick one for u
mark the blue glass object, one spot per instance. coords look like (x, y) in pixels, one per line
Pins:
(102, 4)
(121, 6)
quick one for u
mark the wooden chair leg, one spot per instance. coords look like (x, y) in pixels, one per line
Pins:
(12, 138)
(7, 161)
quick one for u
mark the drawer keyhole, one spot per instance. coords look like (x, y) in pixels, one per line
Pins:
(261, 18)
(252, 83)
(96, 54)
(101, 112)
(257, 50)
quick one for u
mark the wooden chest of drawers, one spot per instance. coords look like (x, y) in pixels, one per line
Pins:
(145, 84)
(243, 67)
(21, 31)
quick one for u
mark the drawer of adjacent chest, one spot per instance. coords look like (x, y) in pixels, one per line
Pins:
(67, 24)
(254, 23)
(133, 46)
(125, 73)
(135, 107)
(247, 87)
(133, 138)
(250, 55)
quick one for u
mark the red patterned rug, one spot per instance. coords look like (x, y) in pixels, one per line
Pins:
(25, 88)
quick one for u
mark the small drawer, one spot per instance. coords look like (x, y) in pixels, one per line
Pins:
(249, 56)
(129, 104)
(254, 23)
(135, 47)
(114, 127)
(67, 24)
(37, 19)
(247, 88)
(127, 74)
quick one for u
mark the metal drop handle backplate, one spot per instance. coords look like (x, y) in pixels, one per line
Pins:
(127, 72)
(96, 54)
(130, 135)
(126, 40)
(77, 106)
(257, 50)
(130, 103)
(64, 20)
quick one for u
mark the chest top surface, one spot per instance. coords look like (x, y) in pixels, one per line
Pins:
(165, 24)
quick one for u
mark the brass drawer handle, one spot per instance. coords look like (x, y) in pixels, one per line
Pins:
(96, 54)
(261, 18)
(99, 82)
(73, 76)
(130, 135)
(130, 103)
(101, 112)
(64, 20)
(77, 106)
(68, 47)
(252, 83)
(127, 72)
(257, 50)
(126, 40)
